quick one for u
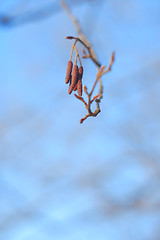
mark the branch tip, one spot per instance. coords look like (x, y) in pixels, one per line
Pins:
(69, 37)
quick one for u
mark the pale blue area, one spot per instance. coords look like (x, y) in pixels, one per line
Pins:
(58, 177)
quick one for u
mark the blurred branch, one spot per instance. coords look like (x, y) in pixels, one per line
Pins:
(7, 20)
(29, 16)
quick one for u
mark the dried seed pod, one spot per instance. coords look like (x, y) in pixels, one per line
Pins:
(79, 83)
(68, 72)
(73, 79)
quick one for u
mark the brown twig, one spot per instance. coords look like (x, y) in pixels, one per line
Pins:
(89, 49)
(82, 38)
(91, 54)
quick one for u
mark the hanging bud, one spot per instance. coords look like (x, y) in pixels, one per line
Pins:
(79, 82)
(68, 72)
(69, 89)
(80, 72)
(75, 88)
(73, 79)
(79, 87)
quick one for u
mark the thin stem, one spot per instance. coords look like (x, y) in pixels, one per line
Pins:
(72, 49)
(78, 55)
(89, 50)
(76, 59)
(94, 84)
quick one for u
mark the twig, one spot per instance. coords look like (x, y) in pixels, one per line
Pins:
(91, 54)
(82, 38)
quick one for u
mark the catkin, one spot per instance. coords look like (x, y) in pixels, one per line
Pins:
(79, 82)
(73, 79)
(69, 89)
(68, 72)
(75, 88)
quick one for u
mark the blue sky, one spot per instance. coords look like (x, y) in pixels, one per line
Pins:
(59, 179)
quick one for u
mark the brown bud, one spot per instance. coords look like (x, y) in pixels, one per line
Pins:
(95, 97)
(73, 79)
(69, 37)
(68, 72)
(85, 89)
(81, 121)
(112, 58)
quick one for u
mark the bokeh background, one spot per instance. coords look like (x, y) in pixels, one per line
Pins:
(61, 180)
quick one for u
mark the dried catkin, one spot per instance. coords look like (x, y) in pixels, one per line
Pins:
(73, 79)
(69, 89)
(68, 72)
(79, 87)
(79, 82)
(75, 88)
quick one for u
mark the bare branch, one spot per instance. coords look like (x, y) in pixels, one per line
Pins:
(91, 54)
(82, 38)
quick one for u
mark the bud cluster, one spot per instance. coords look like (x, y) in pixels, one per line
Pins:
(74, 77)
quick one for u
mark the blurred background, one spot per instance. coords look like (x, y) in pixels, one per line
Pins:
(60, 179)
